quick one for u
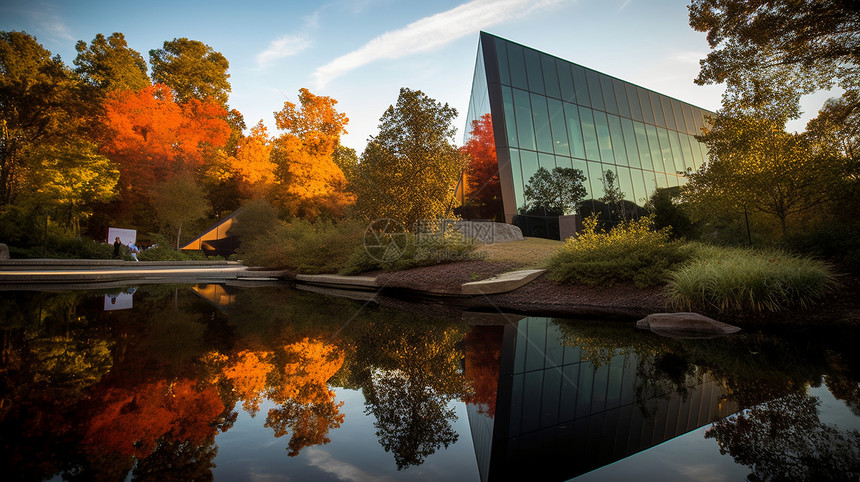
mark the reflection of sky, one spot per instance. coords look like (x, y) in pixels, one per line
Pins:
(249, 451)
(693, 457)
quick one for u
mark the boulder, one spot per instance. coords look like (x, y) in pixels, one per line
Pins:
(489, 232)
(685, 325)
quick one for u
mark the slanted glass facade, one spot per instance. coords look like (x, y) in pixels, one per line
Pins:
(548, 112)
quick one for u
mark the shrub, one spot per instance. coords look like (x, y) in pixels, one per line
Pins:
(321, 247)
(413, 250)
(162, 250)
(631, 251)
(734, 279)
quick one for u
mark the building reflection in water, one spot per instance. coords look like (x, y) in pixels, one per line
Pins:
(559, 409)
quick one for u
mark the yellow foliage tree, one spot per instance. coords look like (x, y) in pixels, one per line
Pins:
(310, 184)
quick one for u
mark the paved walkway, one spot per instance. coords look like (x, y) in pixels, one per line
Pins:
(16, 273)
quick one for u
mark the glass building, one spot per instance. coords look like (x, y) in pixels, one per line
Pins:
(548, 112)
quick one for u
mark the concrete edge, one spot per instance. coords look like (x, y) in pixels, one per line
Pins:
(501, 283)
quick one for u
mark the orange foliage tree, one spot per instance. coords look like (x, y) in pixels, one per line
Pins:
(150, 136)
(311, 184)
(483, 359)
(482, 175)
(252, 163)
(248, 375)
(132, 420)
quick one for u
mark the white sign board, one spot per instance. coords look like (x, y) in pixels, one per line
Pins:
(125, 235)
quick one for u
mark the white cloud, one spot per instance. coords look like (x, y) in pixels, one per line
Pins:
(288, 45)
(283, 47)
(430, 33)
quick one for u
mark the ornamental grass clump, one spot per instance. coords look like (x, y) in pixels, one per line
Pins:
(736, 280)
(630, 252)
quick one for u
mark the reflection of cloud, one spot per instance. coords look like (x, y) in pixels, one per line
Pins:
(430, 33)
(702, 473)
(342, 470)
(255, 477)
(287, 45)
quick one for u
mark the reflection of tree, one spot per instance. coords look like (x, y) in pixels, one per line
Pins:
(248, 375)
(784, 440)
(408, 381)
(307, 406)
(483, 358)
(177, 460)
(130, 421)
(842, 383)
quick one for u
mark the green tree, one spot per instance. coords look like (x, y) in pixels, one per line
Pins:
(192, 69)
(754, 163)
(669, 212)
(38, 105)
(108, 64)
(409, 170)
(770, 53)
(554, 193)
(71, 177)
(179, 200)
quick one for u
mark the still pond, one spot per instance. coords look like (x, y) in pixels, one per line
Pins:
(201, 382)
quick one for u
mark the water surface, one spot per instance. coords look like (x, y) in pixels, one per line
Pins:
(272, 383)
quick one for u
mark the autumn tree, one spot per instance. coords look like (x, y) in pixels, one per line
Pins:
(770, 53)
(482, 174)
(409, 170)
(150, 136)
(192, 70)
(38, 106)
(754, 163)
(252, 163)
(108, 64)
(178, 201)
(309, 183)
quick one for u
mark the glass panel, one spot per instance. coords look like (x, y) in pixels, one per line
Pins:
(574, 130)
(529, 163)
(626, 183)
(533, 70)
(550, 79)
(517, 65)
(621, 97)
(662, 182)
(689, 158)
(642, 145)
(680, 123)
(618, 149)
(546, 161)
(674, 181)
(581, 85)
(517, 171)
(541, 120)
(594, 89)
(654, 147)
(595, 175)
(639, 187)
(645, 103)
(510, 119)
(651, 181)
(659, 120)
(668, 114)
(697, 120)
(666, 151)
(603, 139)
(675, 143)
(563, 161)
(588, 134)
(688, 119)
(633, 100)
(559, 130)
(568, 93)
(608, 94)
(525, 129)
(581, 165)
(630, 143)
(697, 153)
(502, 55)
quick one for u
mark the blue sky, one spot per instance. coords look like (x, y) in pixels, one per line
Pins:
(361, 52)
